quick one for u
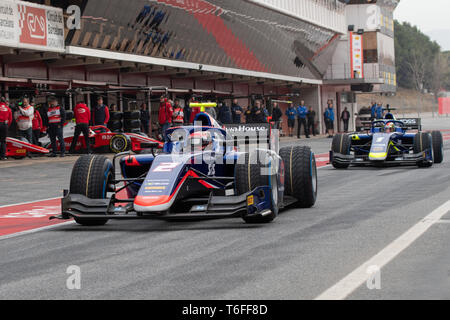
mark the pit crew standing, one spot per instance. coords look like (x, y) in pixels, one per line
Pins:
(5, 122)
(165, 116)
(37, 127)
(82, 117)
(277, 114)
(379, 111)
(225, 115)
(237, 111)
(291, 113)
(302, 112)
(258, 113)
(178, 114)
(345, 116)
(24, 119)
(329, 119)
(100, 113)
(54, 120)
(311, 121)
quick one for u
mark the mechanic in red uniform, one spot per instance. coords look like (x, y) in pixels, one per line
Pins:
(82, 117)
(5, 122)
(178, 114)
(165, 116)
(54, 120)
(37, 127)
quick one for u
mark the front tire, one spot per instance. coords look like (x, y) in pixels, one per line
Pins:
(120, 143)
(91, 177)
(300, 175)
(438, 146)
(423, 143)
(248, 177)
(341, 144)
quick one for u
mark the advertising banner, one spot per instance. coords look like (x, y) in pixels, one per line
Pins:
(32, 26)
(356, 56)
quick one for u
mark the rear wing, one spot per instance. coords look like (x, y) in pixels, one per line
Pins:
(260, 134)
(412, 123)
(409, 124)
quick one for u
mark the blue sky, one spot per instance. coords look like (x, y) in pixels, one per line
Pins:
(432, 17)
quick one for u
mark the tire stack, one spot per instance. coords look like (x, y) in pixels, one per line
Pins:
(115, 123)
(132, 122)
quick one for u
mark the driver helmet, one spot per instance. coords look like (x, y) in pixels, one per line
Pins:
(201, 139)
(390, 127)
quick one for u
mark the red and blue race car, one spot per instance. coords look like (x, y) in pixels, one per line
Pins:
(203, 172)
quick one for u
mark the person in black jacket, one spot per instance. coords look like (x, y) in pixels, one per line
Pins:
(248, 115)
(311, 121)
(258, 113)
(225, 115)
(277, 115)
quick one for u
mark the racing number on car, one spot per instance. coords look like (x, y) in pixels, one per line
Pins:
(166, 167)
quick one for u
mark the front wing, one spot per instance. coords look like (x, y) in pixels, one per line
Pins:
(405, 159)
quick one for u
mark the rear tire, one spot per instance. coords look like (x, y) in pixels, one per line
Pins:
(423, 143)
(341, 144)
(438, 146)
(247, 178)
(300, 175)
(91, 176)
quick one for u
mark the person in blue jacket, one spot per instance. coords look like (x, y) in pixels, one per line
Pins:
(329, 119)
(302, 113)
(373, 111)
(379, 111)
(291, 114)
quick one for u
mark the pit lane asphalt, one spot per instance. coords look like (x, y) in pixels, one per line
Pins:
(304, 252)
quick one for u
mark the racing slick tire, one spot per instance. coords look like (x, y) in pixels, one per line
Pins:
(248, 176)
(300, 175)
(132, 115)
(91, 177)
(116, 115)
(422, 143)
(438, 146)
(341, 144)
(120, 143)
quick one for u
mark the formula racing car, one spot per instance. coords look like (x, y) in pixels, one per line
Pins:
(102, 140)
(201, 174)
(387, 143)
(21, 148)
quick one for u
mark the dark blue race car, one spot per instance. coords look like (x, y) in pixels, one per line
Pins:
(387, 143)
(204, 172)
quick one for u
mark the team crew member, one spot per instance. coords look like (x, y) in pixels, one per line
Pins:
(178, 114)
(258, 113)
(311, 121)
(345, 116)
(82, 116)
(165, 116)
(302, 113)
(100, 113)
(329, 119)
(56, 116)
(5, 122)
(37, 127)
(225, 114)
(248, 115)
(237, 111)
(24, 119)
(291, 113)
(277, 114)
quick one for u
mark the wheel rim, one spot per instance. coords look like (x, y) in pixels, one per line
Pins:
(119, 144)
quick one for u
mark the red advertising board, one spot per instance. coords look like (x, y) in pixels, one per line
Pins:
(32, 25)
(444, 105)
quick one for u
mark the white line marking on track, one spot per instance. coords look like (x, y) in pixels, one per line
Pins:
(359, 276)
(443, 221)
(28, 202)
(22, 233)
